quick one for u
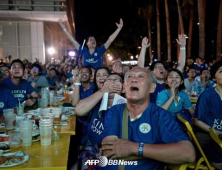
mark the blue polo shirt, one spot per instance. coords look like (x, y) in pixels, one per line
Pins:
(159, 88)
(95, 59)
(183, 101)
(19, 91)
(155, 126)
(7, 100)
(209, 109)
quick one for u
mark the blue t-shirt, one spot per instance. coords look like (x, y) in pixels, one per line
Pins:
(174, 108)
(69, 75)
(86, 93)
(159, 88)
(96, 59)
(7, 100)
(52, 81)
(209, 109)
(19, 91)
(94, 126)
(155, 126)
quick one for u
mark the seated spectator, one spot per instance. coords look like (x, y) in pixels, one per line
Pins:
(173, 98)
(117, 67)
(7, 99)
(198, 66)
(203, 83)
(19, 87)
(209, 114)
(4, 68)
(38, 81)
(52, 77)
(153, 135)
(83, 86)
(26, 73)
(188, 82)
(94, 125)
(126, 68)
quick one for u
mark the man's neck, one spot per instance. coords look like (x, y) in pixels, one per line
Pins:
(137, 108)
(16, 81)
(86, 85)
(91, 50)
(191, 79)
(35, 77)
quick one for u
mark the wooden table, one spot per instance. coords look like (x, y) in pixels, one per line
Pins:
(52, 157)
(71, 127)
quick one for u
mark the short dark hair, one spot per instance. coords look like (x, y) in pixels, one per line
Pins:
(87, 67)
(18, 61)
(182, 86)
(214, 68)
(38, 66)
(5, 65)
(203, 69)
(156, 62)
(190, 67)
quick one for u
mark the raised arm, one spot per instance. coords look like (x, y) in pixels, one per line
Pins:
(69, 36)
(182, 57)
(145, 45)
(91, 101)
(114, 35)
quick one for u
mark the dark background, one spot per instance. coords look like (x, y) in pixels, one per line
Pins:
(98, 18)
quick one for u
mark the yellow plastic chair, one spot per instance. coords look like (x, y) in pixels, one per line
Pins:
(214, 136)
(199, 163)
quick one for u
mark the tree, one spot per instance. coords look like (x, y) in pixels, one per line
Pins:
(201, 17)
(219, 35)
(158, 29)
(168, 31)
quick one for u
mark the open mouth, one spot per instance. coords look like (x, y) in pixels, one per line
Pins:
(161, 72)
(134, 89)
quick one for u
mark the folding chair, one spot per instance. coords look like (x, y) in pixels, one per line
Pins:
(216, 139)
(199, 163)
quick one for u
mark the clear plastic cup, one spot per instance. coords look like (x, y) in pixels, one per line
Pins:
(57, 112)
(26, 127)
(14, 139)
(10, 121)
(45, 126)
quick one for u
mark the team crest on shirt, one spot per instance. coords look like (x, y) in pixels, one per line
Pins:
(95, 54)
(145, 128)
(1, 104)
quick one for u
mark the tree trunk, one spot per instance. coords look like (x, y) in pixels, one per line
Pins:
(180, 18)
(149, 13)
(158, 30)
(201, 17)
(168, 31)
(190, 33)
(219, 35)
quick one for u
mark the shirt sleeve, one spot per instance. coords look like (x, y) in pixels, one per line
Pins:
(44, 82)
(161, 98)
(201, 107)
(170, 130)
(111, 122)
(102, 49)
(187, 103)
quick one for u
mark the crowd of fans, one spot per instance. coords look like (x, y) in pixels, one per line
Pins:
(154, 97)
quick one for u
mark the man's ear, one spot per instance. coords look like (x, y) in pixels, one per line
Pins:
(153, 87)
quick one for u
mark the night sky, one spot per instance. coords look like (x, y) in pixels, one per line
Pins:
(98, 18)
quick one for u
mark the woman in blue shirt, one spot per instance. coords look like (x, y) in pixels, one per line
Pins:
(173, 98)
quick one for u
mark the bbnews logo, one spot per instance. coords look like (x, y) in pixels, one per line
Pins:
(103, 161)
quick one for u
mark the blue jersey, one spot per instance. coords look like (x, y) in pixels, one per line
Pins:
(7, 100)
(209, 109)
(19, 91)
(155, 126)
(175, 107)
(95, 59)
(159, 88)
(94, 126)
(52, 81)
(86, 93)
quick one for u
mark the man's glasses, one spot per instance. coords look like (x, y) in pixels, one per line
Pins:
(113, 80)
(17, 67)
(4, 71)
(35, 69)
